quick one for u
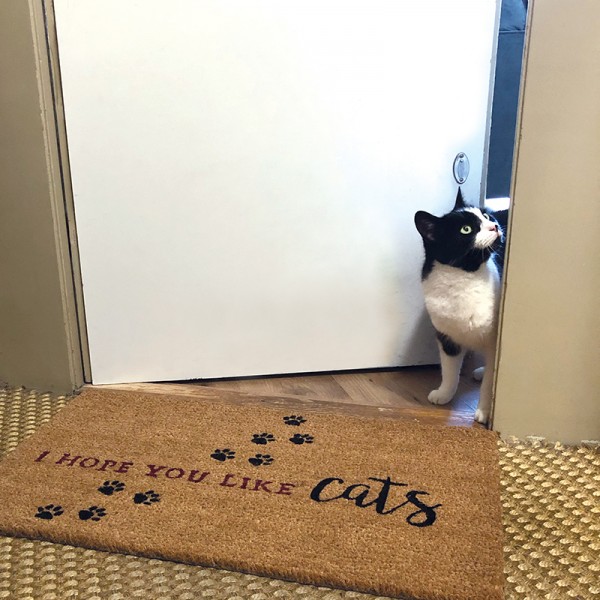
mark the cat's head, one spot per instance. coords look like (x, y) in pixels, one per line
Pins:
(465, 237)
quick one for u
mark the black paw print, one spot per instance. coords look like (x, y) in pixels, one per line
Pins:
(147, 498)
(294, 420)
(223, 455)
(302, 438)
(263, 438)
(49, 511)
(261, 459)
(93, 513)
(108, 488)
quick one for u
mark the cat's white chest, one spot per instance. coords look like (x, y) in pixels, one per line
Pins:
(464, 305)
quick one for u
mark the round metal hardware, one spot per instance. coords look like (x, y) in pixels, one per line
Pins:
(460, 168)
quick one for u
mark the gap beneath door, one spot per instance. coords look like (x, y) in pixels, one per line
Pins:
(398, 393)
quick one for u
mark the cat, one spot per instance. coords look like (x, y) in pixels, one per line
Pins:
(461, 274)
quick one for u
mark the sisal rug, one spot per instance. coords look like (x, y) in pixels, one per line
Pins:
(376, 506)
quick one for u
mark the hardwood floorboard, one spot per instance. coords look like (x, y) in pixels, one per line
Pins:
(394, 393)
(301, 386)
(296, 403)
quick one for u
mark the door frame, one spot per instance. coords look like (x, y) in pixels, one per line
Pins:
(43, 342)
(53, 64)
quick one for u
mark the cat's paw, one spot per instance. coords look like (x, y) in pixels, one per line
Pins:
(482, 416)
(439, 397)
(478, 373)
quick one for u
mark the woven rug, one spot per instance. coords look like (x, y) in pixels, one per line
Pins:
(365, 504)
(550, 508)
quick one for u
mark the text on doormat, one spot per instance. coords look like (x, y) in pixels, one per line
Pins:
(378, 493)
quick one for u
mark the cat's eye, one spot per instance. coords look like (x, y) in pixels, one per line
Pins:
(486, 216)
(466, 229)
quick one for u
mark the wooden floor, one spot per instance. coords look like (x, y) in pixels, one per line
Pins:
(397, 393)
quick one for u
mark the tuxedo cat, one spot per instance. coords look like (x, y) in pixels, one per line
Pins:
(464, 256)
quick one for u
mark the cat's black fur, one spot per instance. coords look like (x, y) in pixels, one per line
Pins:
(450, 347)
(444, 242)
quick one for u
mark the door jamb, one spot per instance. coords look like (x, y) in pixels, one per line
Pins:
(522, 85)
(44, 29)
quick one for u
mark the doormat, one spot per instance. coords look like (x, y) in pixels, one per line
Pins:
(373, 505)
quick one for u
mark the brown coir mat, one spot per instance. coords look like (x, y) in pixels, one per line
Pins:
(374, 505)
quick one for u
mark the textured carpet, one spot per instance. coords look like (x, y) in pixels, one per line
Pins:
(551, 502)
(374, 505)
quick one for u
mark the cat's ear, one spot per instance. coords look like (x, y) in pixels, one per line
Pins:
(426, 225)
(460, 203)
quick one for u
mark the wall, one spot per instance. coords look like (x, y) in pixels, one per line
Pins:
(39, 342)
(548, 381)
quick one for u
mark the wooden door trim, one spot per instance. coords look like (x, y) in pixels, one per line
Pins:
(45, 25)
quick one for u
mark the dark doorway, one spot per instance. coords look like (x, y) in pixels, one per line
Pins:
(509, 58)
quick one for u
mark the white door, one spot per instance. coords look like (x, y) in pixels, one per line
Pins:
(246, 172)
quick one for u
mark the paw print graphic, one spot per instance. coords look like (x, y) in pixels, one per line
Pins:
(263, 438)
(108, 488)
(49, 511)
(223, 455)
(294, 420)
(302, 438)
(261, 459)
(93, 513)
(148, 498)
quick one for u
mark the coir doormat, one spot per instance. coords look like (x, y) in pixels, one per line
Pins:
(374, 505)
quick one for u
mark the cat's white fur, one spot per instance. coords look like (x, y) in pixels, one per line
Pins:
(464, 306)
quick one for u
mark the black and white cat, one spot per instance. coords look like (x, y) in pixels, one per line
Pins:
(464, 259)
